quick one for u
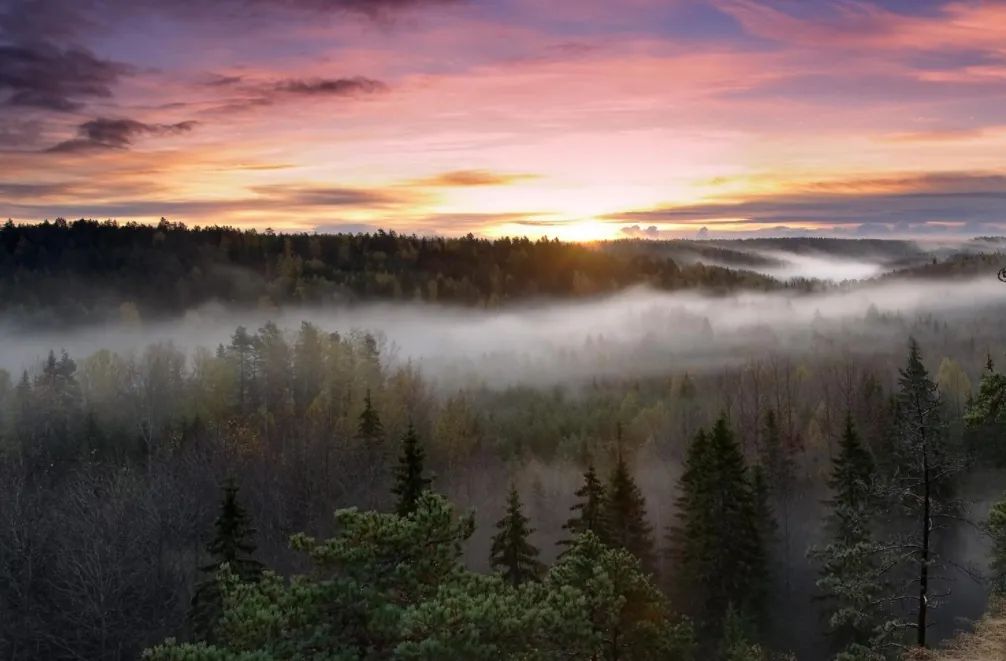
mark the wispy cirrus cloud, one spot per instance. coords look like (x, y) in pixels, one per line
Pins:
(329, 196)
(961, 202)
(466, 178)
(331, 87)
(282, 202)
(955, 25)
(429, 114)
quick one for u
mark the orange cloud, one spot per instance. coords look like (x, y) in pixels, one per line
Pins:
(462, 178)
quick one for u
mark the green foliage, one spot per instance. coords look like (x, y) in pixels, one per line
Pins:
(985, 416)
(480, 617)
(512, 553)
(231, 547)
(595, 603)
(365, 580)
(625, 515)
(626, 614)
(370, 428)
(997, 531)
(988, 405)
(590, 511)
(852, 581)
(735, 642)
(84, 271)
(930, 461)
(410, 483)
(852, 483)
(393, 587)
(717, 542)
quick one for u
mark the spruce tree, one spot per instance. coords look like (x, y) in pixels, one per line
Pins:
(851, 480)
(718, 541)
(233, 543)
(985, 416)
(851, 579)
(512, 553)
(625, 515)
(589, 512)
(410, 483)
(928, 463)
(370, 428)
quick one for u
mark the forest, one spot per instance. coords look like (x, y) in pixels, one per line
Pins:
(335, 480)
(90, 271)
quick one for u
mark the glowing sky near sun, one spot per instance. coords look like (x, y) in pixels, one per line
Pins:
(579, 119)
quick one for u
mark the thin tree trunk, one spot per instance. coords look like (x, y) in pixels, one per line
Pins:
(924, 569)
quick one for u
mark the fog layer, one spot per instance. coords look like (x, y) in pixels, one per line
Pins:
(636, 332)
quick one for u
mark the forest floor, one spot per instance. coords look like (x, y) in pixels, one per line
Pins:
(986, 643)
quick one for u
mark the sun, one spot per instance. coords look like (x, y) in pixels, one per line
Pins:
(584, 231)
(573, 231)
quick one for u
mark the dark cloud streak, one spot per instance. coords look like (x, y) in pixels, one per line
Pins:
(332, 87)
(43, 76)
(105, 133)
(968, 199)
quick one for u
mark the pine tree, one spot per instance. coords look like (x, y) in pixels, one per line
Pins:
(718, 541)
(370, 428)
(512, 553)
(589, 512)
(851, 581)
(625, 515)
(410, 483)
(233, 544)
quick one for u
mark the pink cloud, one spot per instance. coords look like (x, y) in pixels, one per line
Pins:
(854, 24)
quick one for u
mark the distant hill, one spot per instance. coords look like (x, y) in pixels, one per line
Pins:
(86, 271)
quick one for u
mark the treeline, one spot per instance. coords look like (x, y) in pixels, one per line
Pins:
(57, 272)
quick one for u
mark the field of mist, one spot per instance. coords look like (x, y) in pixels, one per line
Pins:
(525, 393)
(635, 332)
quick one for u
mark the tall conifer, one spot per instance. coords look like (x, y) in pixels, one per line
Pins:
(410, 482)
(512, 553)
(370, 427)
(589, 511)
(928, 463)
(233, 544)
(851, 580)
(718, 541)
(625, 515)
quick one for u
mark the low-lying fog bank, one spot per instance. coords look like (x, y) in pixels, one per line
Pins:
(634, 333)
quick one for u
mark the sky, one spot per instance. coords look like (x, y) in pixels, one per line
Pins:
(577, 119)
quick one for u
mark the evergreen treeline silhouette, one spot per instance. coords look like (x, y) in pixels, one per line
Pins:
(85, 270)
